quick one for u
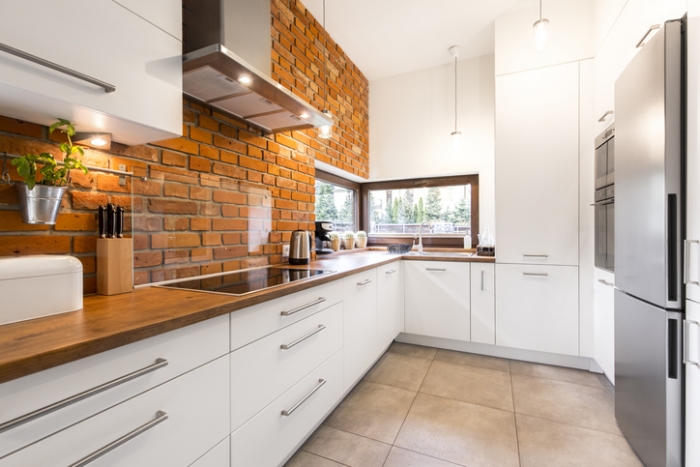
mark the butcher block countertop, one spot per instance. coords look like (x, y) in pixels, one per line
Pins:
(106, 323)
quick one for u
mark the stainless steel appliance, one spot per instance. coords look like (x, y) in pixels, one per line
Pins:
(649, 139)
(323, 228)
(300, 247)
(605, 200)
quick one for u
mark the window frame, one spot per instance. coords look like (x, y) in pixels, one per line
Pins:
(348, 184)
(428, 240)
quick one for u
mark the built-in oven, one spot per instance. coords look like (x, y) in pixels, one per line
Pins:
(605, 200)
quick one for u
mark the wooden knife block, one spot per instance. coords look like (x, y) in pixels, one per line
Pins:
(115, 270)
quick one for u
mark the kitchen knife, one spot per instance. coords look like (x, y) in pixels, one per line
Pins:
(102, 221)
(111, 221)
(120, 222)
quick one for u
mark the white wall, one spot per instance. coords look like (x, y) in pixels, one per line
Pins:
(412, 116)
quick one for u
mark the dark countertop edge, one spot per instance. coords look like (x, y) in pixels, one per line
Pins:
(53, 356)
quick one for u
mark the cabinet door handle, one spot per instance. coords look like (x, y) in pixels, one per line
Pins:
(365, 282)
(160, 418)
(686, 346)
(436, 269)
(160, 363)
(54, 66)
(482, 281)
(536, 256)
(290, 411)
(391, 272)
(605, 115)
(686, 262)
(604, 282)
(646, 34)
(535, 274)
(303, 307)
(320, 328)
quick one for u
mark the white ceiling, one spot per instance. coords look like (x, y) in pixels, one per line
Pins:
(391, 37)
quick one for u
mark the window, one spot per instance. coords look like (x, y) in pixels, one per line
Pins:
(397, 209)
(337, 201)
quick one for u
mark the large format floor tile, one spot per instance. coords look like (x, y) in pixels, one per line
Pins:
(306, 459)
(399, 371)
(373, 410)
(477, 385)
(568, 375)
(347, 448)
(483, 361)
(574, 404)
(549, 444)
(411, 350)
(401, 458)
(459, 432)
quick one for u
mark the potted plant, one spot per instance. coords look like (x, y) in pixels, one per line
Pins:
(349, 240)
(361, 239)
(335, 240)
(40, 199)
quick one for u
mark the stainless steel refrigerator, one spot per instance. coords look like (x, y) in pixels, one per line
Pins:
(649, 226)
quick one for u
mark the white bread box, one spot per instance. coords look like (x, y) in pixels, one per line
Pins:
(36, 286)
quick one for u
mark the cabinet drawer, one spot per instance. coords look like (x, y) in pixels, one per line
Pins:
(252, 323)
(270, 436)
(537, 308)
(263, 370)
(219, 456)
(196, 405)
(184, 350)
(389, 303)
(360, 343)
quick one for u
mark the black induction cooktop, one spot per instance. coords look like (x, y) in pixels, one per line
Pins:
(245, 282)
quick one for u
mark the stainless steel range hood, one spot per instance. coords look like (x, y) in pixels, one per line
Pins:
(222, 39)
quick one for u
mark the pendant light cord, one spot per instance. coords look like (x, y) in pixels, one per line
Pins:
(455, 94)
(540, 10)
(325, 56)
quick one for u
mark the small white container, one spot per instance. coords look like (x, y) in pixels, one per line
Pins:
(36, 286)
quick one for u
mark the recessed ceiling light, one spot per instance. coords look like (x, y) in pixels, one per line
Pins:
(98, 142)
(245, 79)
(94, 139)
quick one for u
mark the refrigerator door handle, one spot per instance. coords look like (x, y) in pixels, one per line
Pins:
(687, 245)
(686, 343)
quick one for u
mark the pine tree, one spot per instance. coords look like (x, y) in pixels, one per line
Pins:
(420, 211)
(461, 213)
(345, 214)
(325, 203)
(396, 212)
(433, 207)
(407, 212)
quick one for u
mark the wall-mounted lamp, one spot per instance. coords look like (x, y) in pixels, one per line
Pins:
(540, 31)
(94, 140)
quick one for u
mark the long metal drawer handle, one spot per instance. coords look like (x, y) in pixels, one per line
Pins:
(320, 328)
(303, 307)
(160, 363)
(436, 269)
(605, 115)
(160, 418)
(391, 272)
(482, 281)
(686, 261)
(686, 347)
(536, 256)
(54, 66)
(365, 282)
(604, 282)
(290, 411)
(646, 34)
(536, 274)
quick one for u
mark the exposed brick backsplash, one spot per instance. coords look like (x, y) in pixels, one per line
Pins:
(221, 197)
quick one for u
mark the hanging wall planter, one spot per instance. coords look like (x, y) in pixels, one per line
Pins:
(40, 205)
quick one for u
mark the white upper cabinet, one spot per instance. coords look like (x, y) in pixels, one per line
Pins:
(537, 150)
(100, 39)
(164, 14)
(692, 247)
(609, 63)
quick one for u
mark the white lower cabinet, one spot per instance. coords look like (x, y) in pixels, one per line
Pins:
(218, 456)
(437, 299)
(483, 303)
(390, 316)
(269, 437)
(189, 415)
(359, 324)
(604, 321)
(537, 308)
(692, 383)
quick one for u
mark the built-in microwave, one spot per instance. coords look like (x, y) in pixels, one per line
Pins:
(605, 200)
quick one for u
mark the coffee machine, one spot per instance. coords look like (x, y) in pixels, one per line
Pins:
(323, 228)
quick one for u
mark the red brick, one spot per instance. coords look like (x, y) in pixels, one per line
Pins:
(176, 190)
(147, 259)
(200, 135)
(250, 138)
(229, 144)
(229, 197)
(179, 144)
(34, 245)
(230, 252)
(172, 158)
(172, 207)
(229, 224)
(11, 125)
(200, 164)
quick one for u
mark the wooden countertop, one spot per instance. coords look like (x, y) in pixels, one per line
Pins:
(106, 323)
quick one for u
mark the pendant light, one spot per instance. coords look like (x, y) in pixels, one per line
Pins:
(456, 136)
(540, 32)
(325, 131)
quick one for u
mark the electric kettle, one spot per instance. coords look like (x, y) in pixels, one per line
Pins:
(300, 247)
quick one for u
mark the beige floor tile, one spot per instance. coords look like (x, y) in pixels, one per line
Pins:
(558, 373)
(347, 448)
(399, 371)
(411, 350)
(306, 459)
(481, 386)
(401, 458)
(549, 444)
(373, 410)
(462, 358)
(574, 404)
(459, 432)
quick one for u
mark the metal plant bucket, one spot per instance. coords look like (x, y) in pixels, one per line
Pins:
(41, 204)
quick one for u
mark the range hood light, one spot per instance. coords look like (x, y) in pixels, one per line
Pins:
(304, 116)
(245, 79)
(95, 140)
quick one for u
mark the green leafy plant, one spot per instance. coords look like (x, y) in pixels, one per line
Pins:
(52, 174)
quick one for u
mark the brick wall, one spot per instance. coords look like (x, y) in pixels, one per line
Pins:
(221, 197)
